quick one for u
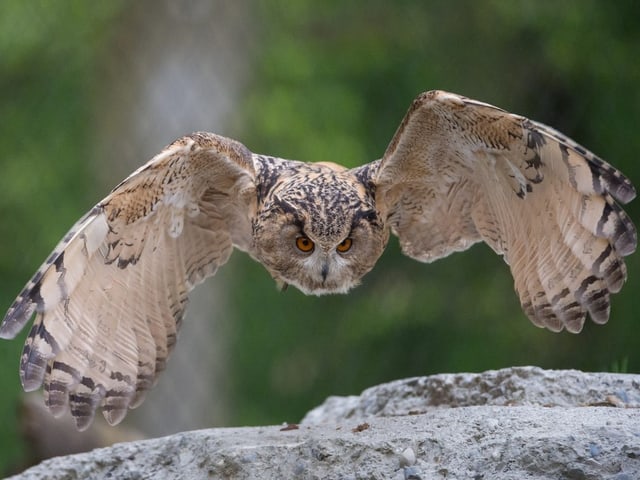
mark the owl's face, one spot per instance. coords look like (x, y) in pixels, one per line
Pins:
(322, 239)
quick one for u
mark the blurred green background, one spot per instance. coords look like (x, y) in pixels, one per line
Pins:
(325, 81)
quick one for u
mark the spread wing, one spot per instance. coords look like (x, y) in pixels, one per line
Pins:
(460, 171)
(109, 300)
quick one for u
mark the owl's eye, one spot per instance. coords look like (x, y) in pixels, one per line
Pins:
(344, 245)
(304, 244)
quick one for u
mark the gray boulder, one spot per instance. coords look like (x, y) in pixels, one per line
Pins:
(516, 423)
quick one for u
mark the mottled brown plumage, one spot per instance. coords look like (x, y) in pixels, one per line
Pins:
(110, 299)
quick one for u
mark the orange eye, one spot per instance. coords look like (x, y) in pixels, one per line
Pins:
(304, 244)
(344, 245)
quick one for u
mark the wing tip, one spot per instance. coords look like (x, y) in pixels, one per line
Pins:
(624, 191)
(20, 312)
(627, 242)
(114, 413)
(32, 372)
(83, 407)
(11, 326)
(615, 182)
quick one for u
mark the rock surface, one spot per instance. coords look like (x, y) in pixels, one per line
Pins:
(515, 386)
(517, 423)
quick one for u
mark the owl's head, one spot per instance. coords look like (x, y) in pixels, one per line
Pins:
(322, 238)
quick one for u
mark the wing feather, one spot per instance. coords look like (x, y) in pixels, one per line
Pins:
(459, 171)
(111, 297)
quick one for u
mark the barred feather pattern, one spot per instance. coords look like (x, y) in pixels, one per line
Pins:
(459, 171)
(110, 299)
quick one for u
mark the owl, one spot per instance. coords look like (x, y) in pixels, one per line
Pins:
(110, 299)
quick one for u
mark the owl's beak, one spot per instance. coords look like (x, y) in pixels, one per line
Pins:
(324, 271)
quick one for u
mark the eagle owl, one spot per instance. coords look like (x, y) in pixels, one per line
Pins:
(110, 299)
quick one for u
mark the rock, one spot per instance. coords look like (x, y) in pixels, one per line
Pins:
(518, 423)
(515, 386)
